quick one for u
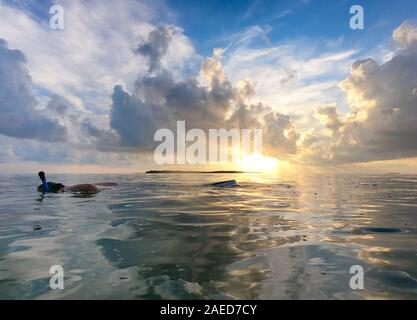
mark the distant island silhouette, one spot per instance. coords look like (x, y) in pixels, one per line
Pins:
(184, 171)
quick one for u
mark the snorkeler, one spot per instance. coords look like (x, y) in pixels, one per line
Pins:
(59, 187)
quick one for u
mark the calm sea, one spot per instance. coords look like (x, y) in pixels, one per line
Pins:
(171, 236)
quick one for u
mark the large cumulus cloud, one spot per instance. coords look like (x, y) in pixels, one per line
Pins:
(209, 101)
(382, 123)
(19, 116)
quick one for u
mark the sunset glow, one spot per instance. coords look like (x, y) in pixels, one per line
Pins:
(259, 163)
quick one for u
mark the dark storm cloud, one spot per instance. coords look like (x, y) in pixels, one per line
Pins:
(156, 46)
(132, 119)
(159, 102)
(18, 116)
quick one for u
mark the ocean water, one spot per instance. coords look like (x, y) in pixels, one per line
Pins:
(172, 236)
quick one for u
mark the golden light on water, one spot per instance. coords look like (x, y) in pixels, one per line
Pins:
(259, 163)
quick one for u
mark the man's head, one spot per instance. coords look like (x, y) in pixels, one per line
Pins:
(41, 175)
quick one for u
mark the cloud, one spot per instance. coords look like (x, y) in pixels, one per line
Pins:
(82, 62)
(382, 122)
(379, 126)
(159, 96)
(156, 46)
(19, 116)
(283, 14)
(158, 101)
(405, 34)
(293, 76)
(279, 135)
(107, 107)
(330, 117)
(73, 74)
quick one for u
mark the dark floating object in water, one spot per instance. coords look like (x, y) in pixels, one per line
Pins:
(226, 184)
(36, 228)
(376, 230)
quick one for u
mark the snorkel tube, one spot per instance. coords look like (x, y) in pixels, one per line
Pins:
(41, 175)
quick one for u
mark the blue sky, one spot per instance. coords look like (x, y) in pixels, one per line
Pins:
(325, 95)
(207, 21)
(213, 23)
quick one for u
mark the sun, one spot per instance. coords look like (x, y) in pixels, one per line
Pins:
(258, 163)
